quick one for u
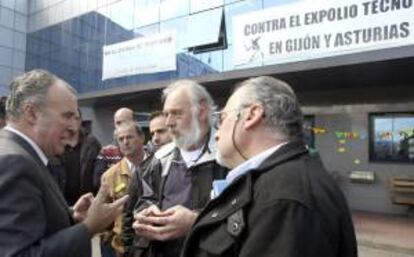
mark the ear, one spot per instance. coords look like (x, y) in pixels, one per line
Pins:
(254, 116)
(30, 113)
(202, 114)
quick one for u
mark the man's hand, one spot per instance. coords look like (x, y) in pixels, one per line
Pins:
(81, 207)
(102, 213)
(153, 224)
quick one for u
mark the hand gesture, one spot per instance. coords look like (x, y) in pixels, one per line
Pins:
(153, 224)
(81, 207)
(102, 213)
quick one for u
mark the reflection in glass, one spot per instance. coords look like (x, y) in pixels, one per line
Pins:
(146, 12)
(173, 9)
(178, 25)
(272, 3)
(237, 9)
(392, 137)
(201, 5)
(200, 32)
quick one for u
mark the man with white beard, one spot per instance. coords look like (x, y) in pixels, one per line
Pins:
(178, 181)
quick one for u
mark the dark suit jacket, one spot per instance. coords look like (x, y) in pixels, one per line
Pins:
(34, 217)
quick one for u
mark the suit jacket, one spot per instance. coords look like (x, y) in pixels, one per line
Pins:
(34, 217)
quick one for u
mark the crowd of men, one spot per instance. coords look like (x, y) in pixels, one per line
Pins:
(235, 182)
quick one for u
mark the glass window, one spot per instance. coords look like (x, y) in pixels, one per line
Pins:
(272, 3)
(122, 13)
(201, 5)
(237, 9)
(146, 12)
(6, 17)
(8, 3)
(200, 32)
(21, 6)
(5, 75)
(20, 22)
(173, 8)
(178, 25)
(18, 60)
(211, 62)
(147, 30)
(20, 41)
(6, 38)
(392, 137)
(5, 56)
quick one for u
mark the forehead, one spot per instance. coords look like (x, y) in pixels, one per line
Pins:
(158, 121)
(122, 115)
(61, 97)
(178, 99)
(126, 131)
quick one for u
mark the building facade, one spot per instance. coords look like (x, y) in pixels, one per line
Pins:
(350, 62)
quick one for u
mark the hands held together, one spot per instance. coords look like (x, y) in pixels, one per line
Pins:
(154, 224)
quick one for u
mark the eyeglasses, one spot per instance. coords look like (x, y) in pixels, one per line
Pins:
(218, 117)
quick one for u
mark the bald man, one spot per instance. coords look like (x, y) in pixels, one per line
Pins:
(110, 154)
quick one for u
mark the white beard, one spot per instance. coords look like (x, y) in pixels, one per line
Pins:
(190, 137)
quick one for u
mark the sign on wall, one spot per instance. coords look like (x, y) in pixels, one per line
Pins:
(139, 56)
(315, 29)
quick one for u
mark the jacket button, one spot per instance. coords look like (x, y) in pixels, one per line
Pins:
(235, 227)
(234, 201)
(214, 215)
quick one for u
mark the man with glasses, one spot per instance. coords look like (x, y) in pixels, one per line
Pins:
(178, 181)
(277, 199)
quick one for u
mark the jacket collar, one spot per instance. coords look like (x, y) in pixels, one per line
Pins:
(285, 153)
(240, 191)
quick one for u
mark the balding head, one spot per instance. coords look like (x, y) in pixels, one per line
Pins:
(123, 115)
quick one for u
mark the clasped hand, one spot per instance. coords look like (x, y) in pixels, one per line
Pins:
(154, 224)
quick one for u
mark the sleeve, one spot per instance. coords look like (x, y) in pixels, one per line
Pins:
(127, 230)
(141, 195)
(287, 228)
(24, 229)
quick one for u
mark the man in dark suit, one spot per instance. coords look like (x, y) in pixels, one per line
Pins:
(34, 217)
(277, 199)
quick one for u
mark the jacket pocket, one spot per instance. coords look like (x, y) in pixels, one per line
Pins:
(218, 242)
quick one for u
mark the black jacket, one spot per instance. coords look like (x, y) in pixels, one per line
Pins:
(203, 173)
(288, 207)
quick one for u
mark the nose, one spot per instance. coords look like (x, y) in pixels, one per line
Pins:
(156, 138)
(169, 120)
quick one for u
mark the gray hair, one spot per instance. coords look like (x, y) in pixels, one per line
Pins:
(30, 87)
(197, 94)
(281, 107)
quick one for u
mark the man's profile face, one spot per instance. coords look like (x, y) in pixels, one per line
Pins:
(159, 131)
(56, 120)
(180, 119)
(224, 135)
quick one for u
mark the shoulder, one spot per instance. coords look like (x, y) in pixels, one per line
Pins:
(113, 170)
(165, 151)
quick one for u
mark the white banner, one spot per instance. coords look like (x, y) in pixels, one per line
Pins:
(315, 29)
(138, 56)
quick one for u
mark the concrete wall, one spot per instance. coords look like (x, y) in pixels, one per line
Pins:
(354, 118)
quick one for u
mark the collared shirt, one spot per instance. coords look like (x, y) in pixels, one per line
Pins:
(131, 166)
(37, 149)
(245, 167)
